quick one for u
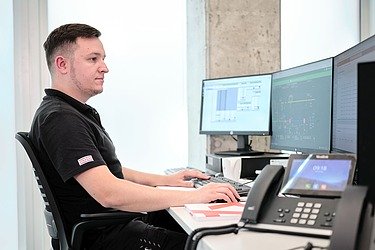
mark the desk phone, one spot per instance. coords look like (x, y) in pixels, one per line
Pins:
(303, 197)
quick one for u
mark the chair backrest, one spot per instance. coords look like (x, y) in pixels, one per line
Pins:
(53, 217)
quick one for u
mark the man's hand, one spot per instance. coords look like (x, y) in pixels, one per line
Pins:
(207, 193)
(218, 191)
(184, 178)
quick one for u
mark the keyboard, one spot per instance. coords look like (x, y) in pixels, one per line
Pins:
(241, 188)
(174, 170)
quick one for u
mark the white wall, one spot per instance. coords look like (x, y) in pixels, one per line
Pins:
(196, 71)
(371, 20)
(8, 170)
(29, 24)
(367, 18)
(316, 29)
(144, 103)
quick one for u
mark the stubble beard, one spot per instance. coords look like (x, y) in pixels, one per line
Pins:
(84, 91)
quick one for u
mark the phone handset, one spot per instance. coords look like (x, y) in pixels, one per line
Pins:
(353, 212)
(260, 191)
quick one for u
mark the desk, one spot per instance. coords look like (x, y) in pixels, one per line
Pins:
(244, 239)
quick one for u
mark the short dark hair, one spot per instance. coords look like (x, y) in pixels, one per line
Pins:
(66, 35)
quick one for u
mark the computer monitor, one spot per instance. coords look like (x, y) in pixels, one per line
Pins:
(301, 108)
(345, 89)
(237, 105)
(366, 125)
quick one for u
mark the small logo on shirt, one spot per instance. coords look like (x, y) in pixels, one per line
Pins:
(85, 159)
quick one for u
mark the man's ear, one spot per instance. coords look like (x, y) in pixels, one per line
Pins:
(61, 64)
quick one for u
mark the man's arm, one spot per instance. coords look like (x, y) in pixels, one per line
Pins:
(180, 179)
(126, 195)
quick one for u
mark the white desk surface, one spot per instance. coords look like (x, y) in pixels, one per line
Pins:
(244, 239)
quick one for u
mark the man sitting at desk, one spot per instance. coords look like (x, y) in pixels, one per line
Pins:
(79, 157)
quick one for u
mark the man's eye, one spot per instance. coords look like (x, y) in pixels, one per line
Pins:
(94, 59)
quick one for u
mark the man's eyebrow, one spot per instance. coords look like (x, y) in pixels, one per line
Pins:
(97, 54)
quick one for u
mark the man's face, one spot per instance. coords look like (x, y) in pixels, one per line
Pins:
(87, 67)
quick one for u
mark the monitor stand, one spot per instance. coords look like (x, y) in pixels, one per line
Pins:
(243, 148)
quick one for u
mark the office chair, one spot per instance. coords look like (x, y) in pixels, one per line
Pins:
(54, 221)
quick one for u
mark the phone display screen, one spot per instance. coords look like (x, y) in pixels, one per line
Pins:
(318, 174)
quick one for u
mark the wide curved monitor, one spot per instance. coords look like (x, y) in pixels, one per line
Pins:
(301, 108)
(237, 105)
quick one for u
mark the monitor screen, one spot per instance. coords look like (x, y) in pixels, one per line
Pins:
(318, 174)
(301, 108)
(238, 105)
(344, 99)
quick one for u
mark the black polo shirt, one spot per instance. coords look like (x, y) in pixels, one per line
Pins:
(70, 139)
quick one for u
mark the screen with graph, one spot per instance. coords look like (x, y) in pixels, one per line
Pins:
(301, 108)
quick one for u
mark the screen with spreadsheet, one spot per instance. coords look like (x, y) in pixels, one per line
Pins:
(238, 105)
(344, 99)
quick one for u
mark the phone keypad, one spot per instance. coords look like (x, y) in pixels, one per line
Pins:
(305, 213)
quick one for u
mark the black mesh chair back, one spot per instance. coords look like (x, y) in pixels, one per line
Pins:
(52, 214)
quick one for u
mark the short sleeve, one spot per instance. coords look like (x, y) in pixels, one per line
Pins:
(70, 143)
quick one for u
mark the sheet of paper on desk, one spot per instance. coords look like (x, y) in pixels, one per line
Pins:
(216, 211)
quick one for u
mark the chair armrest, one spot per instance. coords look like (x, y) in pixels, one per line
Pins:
(97, 220)
(112, 214)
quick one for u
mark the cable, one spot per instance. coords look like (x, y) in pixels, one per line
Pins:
(194, 238)
(192, 242)
(308, 246)
(201, 234)
(190, 238)
(234, 138)
(249, 143)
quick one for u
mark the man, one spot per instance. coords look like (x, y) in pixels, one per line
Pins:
(79, 157)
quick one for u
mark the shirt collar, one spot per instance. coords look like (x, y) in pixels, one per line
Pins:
(82, 107)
